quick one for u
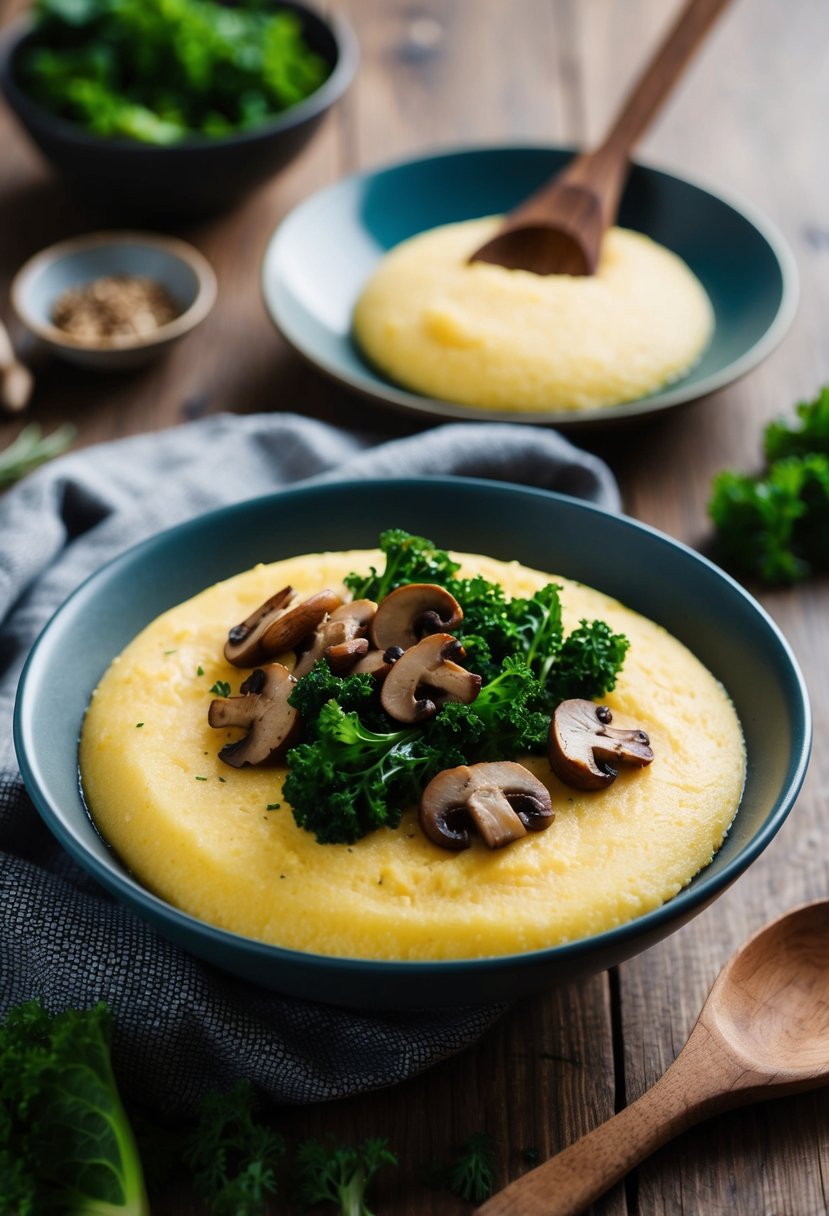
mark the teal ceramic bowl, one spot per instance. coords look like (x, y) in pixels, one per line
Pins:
(727, 629)
(321, 255)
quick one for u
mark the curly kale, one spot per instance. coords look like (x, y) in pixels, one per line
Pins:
(774, 526)
(232, 1155)
(326, 1172)
(809, 436)
(357, 769)
(471, 1173)
(409, 559)
(351, 780)
(158, 71)
(66, 1144)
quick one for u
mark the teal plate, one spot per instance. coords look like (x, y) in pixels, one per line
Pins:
(650, 572)
(320, 256)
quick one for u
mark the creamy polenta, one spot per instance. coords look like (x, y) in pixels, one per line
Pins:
(221, 843)
(484, 336)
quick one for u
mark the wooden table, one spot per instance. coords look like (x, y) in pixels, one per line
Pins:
(749, 117)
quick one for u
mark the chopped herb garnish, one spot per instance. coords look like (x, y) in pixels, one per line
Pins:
(138, 725)
(199, 670)
(221, 688)
(173, 651)
(471, 1174)
(201, 778)
(273, 806)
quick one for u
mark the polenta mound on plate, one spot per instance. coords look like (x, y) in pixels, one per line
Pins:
(485, 336)
(221, 843)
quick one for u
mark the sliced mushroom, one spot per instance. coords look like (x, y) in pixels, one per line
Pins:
(583, 747)
(412, 612)
(243, 646)
(342, 656)
(502, 800)
(377, 663)
(300, 622)
(272, 724)
(277, 627)
(343, 624)
(426, 677)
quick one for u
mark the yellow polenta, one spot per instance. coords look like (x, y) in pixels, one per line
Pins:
(201, 834)
(485, 336)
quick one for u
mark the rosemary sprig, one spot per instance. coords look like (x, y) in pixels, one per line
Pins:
(31, 448)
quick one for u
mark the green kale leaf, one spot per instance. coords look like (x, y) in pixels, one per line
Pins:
(157, 71)
(409, 559)
(66, 1145)
(357, 769)
(774, 526)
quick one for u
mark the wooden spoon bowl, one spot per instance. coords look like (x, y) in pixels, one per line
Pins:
(771, 1002)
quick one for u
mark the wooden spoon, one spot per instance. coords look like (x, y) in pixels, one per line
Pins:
(559, 228)
(763, 1033)
(15, 380)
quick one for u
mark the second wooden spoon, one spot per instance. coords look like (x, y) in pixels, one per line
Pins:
(559, 228)
(762, 1033)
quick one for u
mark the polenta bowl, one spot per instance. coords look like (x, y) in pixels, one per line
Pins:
(653, 576)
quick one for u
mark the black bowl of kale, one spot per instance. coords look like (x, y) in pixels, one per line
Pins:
(161, 115)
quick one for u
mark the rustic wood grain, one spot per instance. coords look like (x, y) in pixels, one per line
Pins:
(748, 116)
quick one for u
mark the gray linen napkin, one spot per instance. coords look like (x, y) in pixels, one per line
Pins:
(183, 1028)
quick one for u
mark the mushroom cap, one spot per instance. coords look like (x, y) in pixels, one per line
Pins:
(501, 799)
(298, 623)
(243, 647)
(583, 747)
(425, 676)
(272, 724)
(414, 611)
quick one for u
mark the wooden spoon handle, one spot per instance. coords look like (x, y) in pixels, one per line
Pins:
(15, 379)
(604, 170)
(662, 72)
(702, 1080)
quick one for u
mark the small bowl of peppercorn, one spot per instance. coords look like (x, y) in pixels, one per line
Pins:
(113, 300)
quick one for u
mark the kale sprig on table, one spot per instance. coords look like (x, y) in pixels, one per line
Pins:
(358, 769)
(774, 525)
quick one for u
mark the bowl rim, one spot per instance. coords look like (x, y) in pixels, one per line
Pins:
(674, 394)
(174, 247)
(690, 900)
(331, 89)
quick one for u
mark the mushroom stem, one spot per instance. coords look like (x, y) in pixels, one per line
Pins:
(494, 817)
